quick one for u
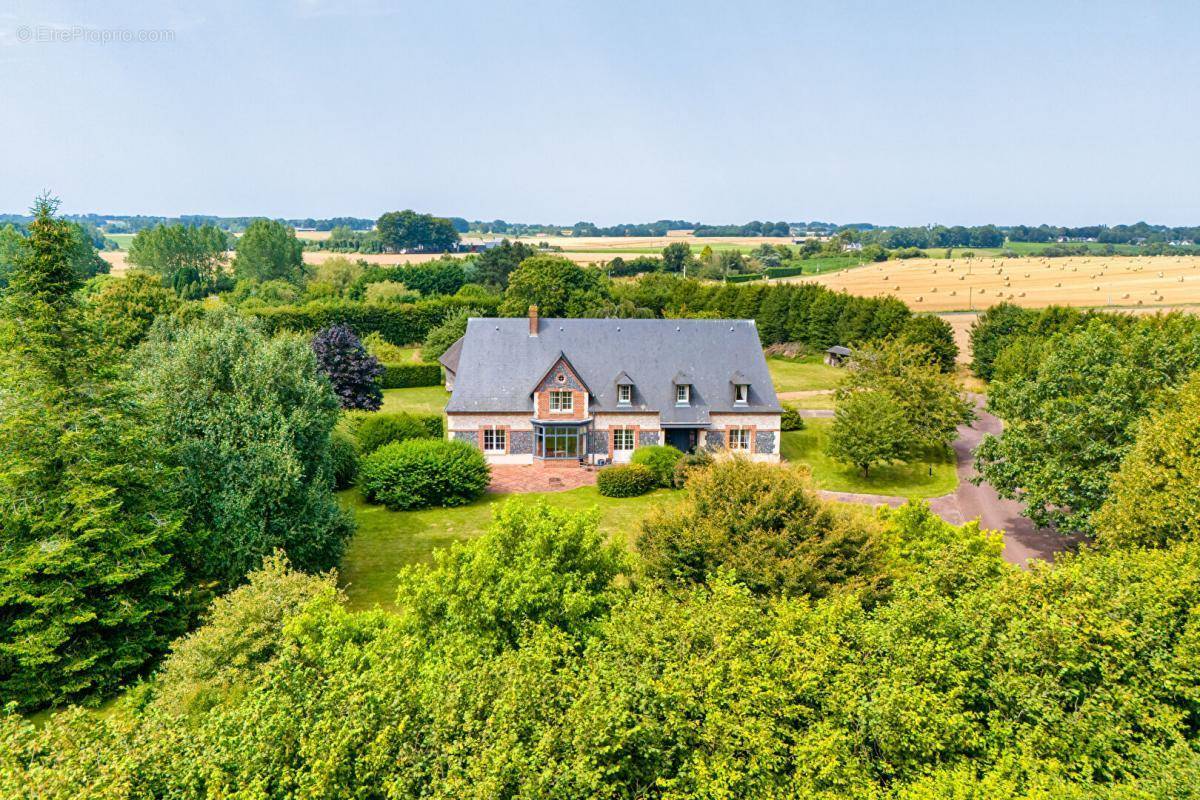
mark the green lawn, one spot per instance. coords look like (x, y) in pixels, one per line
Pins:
(822, 402)
(911, 479)
(803, 374)
(122, 239)
(388, 540)
(420, 399)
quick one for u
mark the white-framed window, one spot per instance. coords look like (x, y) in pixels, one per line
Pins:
(624, 394)
(561, 401)
(495, 440)
(683, 394)
(739, 438)
(624, 439)
(741, 393)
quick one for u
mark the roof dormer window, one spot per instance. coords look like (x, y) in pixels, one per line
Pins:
(741, 393)
(683, 394)
(624, 395)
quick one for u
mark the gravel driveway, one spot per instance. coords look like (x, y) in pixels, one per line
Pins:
(1022, 539)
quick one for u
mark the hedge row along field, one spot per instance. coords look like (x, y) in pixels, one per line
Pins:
(398, 323)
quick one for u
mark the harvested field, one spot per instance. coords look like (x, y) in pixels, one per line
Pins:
(971, 284)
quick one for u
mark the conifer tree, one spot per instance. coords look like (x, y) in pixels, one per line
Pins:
(89, 591)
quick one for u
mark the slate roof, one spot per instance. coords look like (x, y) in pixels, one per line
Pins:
(449, 359)
(499, 362)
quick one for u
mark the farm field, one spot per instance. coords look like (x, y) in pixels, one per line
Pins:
(909, 479)
(387, 541)
(972, 284)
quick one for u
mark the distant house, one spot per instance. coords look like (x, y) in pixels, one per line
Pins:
(837, 355)
(593, 390)
(476, 246)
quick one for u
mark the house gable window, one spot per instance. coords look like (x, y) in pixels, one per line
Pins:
(495, 440)
(741, 393)
(623, 439)
(683, 394)
(739, 438)
(624, 395)
(562, 401)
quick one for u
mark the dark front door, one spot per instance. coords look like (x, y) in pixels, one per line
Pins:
(683, 439)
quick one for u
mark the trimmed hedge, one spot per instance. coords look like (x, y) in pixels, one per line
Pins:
(659, 459)
(754, 276)
(783, 272)
(398, 323)
(625, 480)
(406, 376)
(424, 472)
(377, 430)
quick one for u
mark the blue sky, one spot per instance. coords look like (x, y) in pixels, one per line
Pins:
(899, 112)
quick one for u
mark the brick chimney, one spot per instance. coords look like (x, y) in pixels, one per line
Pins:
(533, 321)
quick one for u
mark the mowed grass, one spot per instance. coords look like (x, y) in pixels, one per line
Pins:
(932, 477)
(122, 240)
(803, 374)
(419, 399)
(387, 541)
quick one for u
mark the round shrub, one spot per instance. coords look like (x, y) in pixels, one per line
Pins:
(689, 465)
(423, 472)
(343, 458)
(659, 459)
(790, 419)
(379, 429)
(625, 480)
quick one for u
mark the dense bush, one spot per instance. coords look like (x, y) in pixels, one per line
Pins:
(423, 472)
(765, 524)
(351, 370)
(688, 465)
(660, 459)
(790, 419)
(783, 272)
(753, 276)
(625, 480)
(408, 374)
(376, 430)
(343, 459)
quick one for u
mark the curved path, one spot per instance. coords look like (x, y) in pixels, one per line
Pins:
(1022, 539)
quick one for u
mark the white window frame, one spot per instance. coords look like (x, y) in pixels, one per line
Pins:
(739, 439)
(624, 395)
(565, 400)
(499, 438)
(683, 394)
(741, 393)
(630, 437)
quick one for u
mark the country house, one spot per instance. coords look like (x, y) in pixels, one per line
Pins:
(592, 390)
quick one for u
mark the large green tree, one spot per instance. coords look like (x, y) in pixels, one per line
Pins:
(932, 403)
(935, 335)
(269, 250)
(1069, 422)
(89, 588)
(1154, 500)
(869, 428)
(249, 419)
(408, 230)
(189, 258)
(557, 286)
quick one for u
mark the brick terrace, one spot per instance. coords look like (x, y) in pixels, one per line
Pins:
(540, 477)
